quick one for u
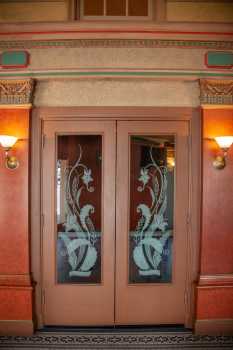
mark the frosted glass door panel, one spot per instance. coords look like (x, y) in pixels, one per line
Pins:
(78, 195)
(152, 169)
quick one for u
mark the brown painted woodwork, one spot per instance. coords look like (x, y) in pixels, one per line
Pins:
(153, 303)
(138, 304)
(70, 304)
(194, 214)
(98, 114)
(36, 216)
(118, 113)
(15, 281)
(159, 10)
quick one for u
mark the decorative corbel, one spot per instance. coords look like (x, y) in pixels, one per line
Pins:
(16, 92)
(217, 92)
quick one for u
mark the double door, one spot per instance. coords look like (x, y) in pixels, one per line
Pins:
(115, 202)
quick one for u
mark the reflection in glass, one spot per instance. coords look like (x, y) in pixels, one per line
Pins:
(151, 210)
(78, 209)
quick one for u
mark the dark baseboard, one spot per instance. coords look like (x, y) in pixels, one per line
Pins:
(128, 328)
(16, 327)
(214, 327)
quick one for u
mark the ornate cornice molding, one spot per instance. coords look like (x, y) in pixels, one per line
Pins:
(218, 92)
(16, 92)
(115, 43)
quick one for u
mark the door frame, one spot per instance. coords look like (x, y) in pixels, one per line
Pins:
(191, 115)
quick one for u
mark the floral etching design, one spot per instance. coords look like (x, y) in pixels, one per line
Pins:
(148, 251)
(81, 250)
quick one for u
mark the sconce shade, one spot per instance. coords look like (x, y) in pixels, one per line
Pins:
(224, 141)
(7, 141)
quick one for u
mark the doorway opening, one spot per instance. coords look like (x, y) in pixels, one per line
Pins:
(116, 238)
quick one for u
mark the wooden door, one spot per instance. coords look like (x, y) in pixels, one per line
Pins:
(79, 222)
(151, 222)
(93, 274)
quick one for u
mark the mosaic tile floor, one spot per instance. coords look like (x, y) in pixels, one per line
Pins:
(116, 339)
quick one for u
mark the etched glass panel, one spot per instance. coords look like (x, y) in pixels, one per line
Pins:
(79, 208)
(152, 169)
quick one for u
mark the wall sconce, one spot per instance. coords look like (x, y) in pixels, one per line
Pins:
(7, 143)
(224, 143)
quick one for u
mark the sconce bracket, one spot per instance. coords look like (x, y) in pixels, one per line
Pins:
(12, 162)
(219, 162)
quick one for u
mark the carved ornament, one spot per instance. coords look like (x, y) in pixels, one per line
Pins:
(16, 92)
(216, 91)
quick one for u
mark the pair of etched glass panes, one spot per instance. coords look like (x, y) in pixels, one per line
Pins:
(79, 202)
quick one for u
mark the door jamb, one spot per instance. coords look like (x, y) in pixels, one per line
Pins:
(191, 115)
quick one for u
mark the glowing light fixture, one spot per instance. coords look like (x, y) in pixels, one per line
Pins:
(7, 142)
(170, 158)
(224, 142)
